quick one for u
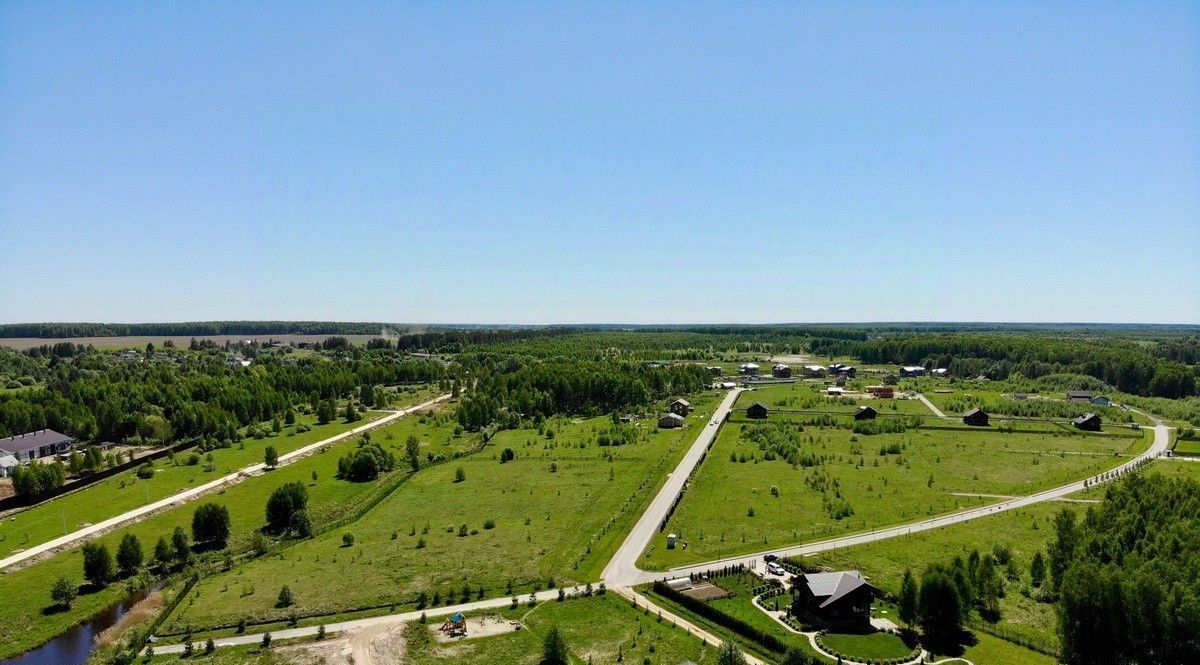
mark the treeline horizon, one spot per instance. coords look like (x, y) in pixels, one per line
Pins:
(55, 330)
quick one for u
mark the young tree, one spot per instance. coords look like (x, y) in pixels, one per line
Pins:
(162, 553)
(1037, 569)
(63, 592)
(271, 457)
(181, 550)
(459, 475)
(97, 564)
(351, 412)
(129, 555)
(729, 654)
(300, 524)
(1062, 550)
(285, 500)
(210, 523)
(412, 447)
(285, 597)
(326, 411)
(940, 607)
(908, 599)
(554, 648)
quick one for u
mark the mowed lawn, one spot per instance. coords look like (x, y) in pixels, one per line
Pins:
(596, 630)
(559, 509)
(1024, 532)
(867, 646)
(731, 508)
(125, 491)
(24, 593)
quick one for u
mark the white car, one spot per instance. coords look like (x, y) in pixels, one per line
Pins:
(775, 569)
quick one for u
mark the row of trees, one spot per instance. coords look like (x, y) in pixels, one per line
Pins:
(948, 595)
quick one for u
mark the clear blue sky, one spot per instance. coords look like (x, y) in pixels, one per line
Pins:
(651, 162)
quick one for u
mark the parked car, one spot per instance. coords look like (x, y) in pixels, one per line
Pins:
(775, 569)
(770, 557)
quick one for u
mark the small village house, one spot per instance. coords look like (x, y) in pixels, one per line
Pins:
(814, 371)
(33, 445)
(781, 371)
(757, 410)
(1101, 400)
(1088, 422)
(911, 371)
(865, 413)
(671, 421)
(748, 369)
(836, 599)
(976, 418)
(681, 407)
(1079, 396)
(882, 392)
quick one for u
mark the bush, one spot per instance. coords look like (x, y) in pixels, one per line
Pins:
(284, 501)
(210, 523)
(145, 471)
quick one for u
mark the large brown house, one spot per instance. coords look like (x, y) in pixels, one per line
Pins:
(842, 599)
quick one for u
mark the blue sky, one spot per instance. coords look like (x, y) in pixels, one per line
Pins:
(571, 162)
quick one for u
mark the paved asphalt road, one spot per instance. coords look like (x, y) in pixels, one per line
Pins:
(189, 494)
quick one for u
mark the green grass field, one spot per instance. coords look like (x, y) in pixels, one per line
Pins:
(730, 507)
(740, 605)
(810, 396)
(596, 630)
(24, 592)
(866, 646)
(1187, 447)
(125, 491)
(558, 510)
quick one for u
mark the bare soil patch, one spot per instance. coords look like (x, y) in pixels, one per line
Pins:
(481, 626)
(706, 591)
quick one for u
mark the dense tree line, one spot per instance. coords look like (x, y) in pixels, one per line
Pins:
(508, 391)
(51, 330)
(93, 396)
(1124, 365)
(1128, 576)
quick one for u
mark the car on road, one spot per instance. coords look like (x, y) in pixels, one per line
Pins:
(769, 558)
(775, 569)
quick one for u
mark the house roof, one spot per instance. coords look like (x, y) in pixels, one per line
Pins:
(673, 416)
(866, 409)
(1086, 417)
(33, 440)
(974, 412)
(1079, 394)
(8, 461)
(834, 586)
(683, 402)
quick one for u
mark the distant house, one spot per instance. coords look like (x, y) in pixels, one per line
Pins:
(940, 372)
(237, 361)
(681, 407)
(1101, 400)
(911, 371)
(842, 598)
(814, 371)
(715, 370)
(1088, 422)
(32, 445)
(865, 413)
(781, 371)
(727, 385)
(841, 380)
(890, 379)
(749, 369)
(882, 392)
(757, 410)
(976, 417)
(848, 370)
(7, 464)
(834, 391)
(1079, 396)
(670, 421)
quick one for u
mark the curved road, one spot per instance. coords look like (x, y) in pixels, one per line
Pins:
(199, 490)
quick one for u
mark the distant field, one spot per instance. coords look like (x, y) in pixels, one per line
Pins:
(730, 507)
(555, 511)
(21, 343)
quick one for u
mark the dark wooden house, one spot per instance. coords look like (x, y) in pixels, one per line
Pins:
(835, 599)
(757, 410)
(681, 407)
(865, 413)
(671, 421)
(976, 417)
(1088, 422)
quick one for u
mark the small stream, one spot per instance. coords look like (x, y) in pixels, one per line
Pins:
(73, 646)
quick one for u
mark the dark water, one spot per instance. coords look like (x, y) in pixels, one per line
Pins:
(75, 645)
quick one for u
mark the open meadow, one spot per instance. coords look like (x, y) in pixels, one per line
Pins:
(557, 510)
(785, 481)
